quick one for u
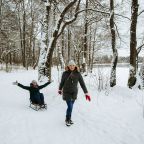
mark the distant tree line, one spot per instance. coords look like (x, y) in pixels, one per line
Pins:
(121, 59)
(43, 33)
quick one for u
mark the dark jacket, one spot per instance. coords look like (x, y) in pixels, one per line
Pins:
(69, 82)
(33, 90)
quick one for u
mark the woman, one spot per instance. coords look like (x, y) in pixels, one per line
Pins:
(68, 87)
(35, 96)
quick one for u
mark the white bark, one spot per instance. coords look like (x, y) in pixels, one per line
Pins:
(43, 48)
(61, 58)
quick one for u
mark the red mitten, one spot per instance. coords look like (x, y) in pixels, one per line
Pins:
(88, 98)
(60, 92)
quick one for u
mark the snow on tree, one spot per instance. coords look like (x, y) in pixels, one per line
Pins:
(44, 43)
(113, 44)
(60, 25)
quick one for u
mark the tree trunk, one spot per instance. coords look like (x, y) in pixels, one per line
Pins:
(20, 33)
(84, 64)
(93, 51)
(90, 50)
(113, 43)
(0, 15)
(42, 69)
(133, 44)
(24, 35)
(63, 45)
(31, 48)
(49, 58)
(61, 59)
(69, 44)
(33, 51)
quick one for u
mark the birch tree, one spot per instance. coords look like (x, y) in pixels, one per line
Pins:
(42, 69)
(85, 47)
(113, 44)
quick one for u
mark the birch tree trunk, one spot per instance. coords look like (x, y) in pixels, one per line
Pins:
(20, 32)
(42, 70)
(24, 34)
(113, 43)
(85, 59)
(93, 51)
(61, 58)
(90, 49)
(69, 43)
(133, 44)
(63, 45)
(0, 15)
(32, 45)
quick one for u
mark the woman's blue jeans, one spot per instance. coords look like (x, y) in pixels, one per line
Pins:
(69, 108)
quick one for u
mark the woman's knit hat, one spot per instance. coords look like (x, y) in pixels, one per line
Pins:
(71, 62)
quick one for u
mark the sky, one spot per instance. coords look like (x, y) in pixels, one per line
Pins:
(124, 29)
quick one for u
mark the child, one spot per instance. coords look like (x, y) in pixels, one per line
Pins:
(35, 96)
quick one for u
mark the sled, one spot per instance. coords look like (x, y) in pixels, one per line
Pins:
(38, 107)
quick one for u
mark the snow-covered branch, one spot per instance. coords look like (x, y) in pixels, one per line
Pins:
(102, 12)
(70, 20)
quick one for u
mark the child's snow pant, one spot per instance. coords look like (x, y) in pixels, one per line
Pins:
(38, 99)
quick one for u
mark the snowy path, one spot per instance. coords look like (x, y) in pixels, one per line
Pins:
(113, 119)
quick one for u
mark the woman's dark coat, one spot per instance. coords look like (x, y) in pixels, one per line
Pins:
(69, 82)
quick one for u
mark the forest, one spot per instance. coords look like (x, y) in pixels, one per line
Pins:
(46, 33)
(71, 72)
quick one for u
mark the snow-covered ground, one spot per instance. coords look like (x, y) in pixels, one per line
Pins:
(114, 116)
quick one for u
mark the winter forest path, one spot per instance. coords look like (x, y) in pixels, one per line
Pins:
(113, 119)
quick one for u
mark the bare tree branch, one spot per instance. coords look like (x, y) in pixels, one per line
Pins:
(140, 12)
(103, 12)
(139, 48)
(71, 20)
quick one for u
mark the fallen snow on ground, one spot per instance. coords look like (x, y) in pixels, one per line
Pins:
(114, 116)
